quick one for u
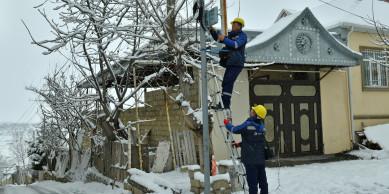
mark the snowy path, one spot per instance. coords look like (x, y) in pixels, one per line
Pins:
(32, 189)
(51, 187)
(357, 176)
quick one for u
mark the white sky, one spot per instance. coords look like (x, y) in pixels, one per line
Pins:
(22, 64)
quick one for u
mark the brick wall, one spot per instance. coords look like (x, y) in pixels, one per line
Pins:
(158, 128)
(157, 111)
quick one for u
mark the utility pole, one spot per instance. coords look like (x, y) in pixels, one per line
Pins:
(204, 105)
(223, 11)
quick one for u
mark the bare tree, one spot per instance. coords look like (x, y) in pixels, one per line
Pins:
(107, 39)
(381, 38)
(4, 166)
(101, 38)
(67, 111)
(18, 147)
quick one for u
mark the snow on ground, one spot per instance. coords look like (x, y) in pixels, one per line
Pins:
(354, 176)
(369, 174)
(52, 187)
(181, 180)
(378, 134)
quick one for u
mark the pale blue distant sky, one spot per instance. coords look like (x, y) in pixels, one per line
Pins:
(22, 64)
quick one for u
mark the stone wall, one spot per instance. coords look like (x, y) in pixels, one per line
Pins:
(219, 184)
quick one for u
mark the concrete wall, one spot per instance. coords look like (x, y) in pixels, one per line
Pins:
(367, 103)
(335, 111)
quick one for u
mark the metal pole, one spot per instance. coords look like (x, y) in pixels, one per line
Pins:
(204, 105)
(351, 92)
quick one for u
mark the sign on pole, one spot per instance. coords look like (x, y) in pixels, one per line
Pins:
(211, 16)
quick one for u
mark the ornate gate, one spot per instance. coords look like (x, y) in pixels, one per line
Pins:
(293, 121)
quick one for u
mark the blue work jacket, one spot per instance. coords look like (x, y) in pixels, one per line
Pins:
(236, 44)
(253, 140)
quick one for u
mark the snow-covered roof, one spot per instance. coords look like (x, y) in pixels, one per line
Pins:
(275, 29)
(346, 13)
(300, 39)
(284, 13)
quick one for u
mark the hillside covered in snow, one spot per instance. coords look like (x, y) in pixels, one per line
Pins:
(7, 130)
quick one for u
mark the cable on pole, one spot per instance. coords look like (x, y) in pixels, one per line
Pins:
(198, 12)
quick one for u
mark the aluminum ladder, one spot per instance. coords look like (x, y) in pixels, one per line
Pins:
(228, 137)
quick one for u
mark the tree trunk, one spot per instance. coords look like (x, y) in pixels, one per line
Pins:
(201, 150)
(107, 129)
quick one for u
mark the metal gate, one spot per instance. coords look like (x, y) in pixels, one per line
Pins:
(293, 121)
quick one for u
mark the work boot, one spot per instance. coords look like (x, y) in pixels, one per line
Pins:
(217, 106)
(228, 113)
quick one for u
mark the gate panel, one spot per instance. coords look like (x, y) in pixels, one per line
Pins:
(293, 124)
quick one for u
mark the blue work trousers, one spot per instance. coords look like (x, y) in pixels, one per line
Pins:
(230, 75)
(256, 174)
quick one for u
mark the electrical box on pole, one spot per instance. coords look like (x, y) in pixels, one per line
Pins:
(211, 16)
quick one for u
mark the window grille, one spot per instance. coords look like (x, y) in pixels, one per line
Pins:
(375, 68)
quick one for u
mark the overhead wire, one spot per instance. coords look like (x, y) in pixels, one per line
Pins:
(363, 18)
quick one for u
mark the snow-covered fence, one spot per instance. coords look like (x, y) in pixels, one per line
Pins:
(111, 159)
(184, 147)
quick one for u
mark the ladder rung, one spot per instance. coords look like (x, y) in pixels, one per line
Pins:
(228, 138)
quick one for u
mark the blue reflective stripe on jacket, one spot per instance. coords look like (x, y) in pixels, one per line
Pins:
(233, 42)
(239, 129)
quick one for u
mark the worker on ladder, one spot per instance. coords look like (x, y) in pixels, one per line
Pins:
(233, 59)
(253, 148)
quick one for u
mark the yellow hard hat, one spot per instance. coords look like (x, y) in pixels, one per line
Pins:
(239, 20)
(260, 111)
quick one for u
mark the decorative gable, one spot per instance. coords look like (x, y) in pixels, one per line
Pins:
(300, 39)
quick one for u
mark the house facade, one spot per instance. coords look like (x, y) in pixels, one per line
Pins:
(318, 77)
(318, 74)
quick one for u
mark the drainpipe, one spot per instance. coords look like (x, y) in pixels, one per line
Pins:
(350, 91)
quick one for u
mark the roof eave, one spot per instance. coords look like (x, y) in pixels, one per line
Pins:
(311, 62)
(356, 27)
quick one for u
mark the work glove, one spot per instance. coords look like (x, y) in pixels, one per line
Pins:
(236, 144)
(226, 121)
(211, 28)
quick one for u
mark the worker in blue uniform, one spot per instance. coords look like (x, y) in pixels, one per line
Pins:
(235, 44)
(253, 148)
